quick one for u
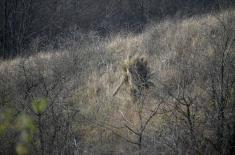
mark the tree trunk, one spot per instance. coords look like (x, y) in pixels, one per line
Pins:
(41, 134)
(5, 29)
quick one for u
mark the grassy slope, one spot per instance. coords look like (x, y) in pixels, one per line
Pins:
(88, 75)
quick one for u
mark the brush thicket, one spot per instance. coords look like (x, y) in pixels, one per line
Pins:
(137, 75)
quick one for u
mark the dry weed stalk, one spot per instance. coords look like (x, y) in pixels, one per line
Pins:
(136, 75)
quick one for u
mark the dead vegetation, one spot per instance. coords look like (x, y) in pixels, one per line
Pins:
(181, 74)
(136, 76)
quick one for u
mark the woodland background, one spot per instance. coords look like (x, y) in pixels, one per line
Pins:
(117, 77)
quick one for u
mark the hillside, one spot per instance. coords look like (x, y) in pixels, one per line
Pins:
(24, 23)
(168, 90)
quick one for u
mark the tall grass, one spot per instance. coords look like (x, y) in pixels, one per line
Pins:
(81, 77)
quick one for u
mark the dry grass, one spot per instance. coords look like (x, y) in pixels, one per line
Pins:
(163, 45)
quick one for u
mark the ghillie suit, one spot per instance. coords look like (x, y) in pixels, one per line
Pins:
(136, 76)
